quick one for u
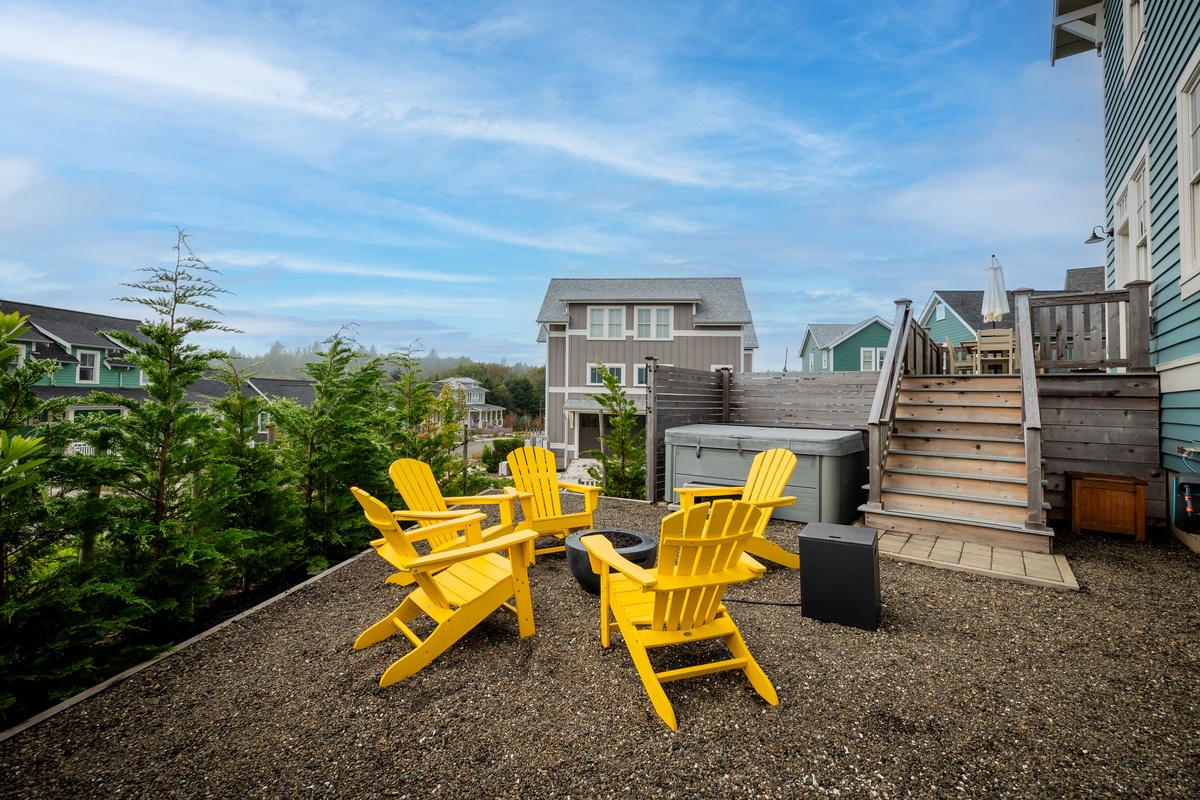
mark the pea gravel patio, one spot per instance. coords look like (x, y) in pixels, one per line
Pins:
(972, 687)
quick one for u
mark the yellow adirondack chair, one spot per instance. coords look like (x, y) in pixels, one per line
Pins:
(769, 474)
(534, 473)
(700, 552)
(457, 588)
(415, 482)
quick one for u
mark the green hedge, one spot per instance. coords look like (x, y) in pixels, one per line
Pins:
(497, 451)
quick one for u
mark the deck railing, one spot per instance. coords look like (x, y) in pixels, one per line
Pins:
(1031, 414)
(910, 350)
(1089, 331)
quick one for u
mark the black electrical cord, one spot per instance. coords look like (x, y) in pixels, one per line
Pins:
(757, 602)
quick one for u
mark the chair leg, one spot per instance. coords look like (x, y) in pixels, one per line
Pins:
(405, 613)
(658, 696)
(764, 548)
(758, 679)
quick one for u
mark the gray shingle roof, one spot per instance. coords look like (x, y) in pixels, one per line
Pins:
(719, 301)
(825, 334)
(78, 328)
(1085, 279)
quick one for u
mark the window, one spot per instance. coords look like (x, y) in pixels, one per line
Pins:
(616, 370)
(940, 312)
(264, 421)
(88, 370)
(20, 362)
(641, 375)
(871, 358)
(606, 323)
(653, 323)
(1135, 30)
(812, 362)
(1132, 224)
(824, 359)
(142, 379)
(719, 367)
(1188, 112)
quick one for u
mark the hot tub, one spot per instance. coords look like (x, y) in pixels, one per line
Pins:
(831, 466)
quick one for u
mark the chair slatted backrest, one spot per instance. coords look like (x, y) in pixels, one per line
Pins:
(381, 517)
(995, 340)
(415, 482)
(534, 471)
(700, 542)
(769, 474)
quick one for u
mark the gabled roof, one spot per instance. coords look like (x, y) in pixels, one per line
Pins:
(827, 335)
(71, 328)
(719, 301)
(300, 390)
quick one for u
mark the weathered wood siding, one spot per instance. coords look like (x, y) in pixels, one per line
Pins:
(678, 396)
(1140, 108)
(1101, 423)
(840, 400)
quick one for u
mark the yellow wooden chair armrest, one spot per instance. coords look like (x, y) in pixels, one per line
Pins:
(509, 496)
(430, 516)
(591, 494)
(601, 552)
(740, 573)
(468, 524)
(445, 558)
(774, 502)
(709, 491)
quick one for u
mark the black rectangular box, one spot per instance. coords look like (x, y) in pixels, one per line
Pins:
(839, 574)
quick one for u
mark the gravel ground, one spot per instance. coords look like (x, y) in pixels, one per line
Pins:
(972, 687)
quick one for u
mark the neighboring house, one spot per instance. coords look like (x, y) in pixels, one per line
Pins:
(697, 323)
(1151, 53)
(845, 348)
(88, 358)
(480, 414)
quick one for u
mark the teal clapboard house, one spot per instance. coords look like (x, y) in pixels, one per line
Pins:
(1151, 53)
(88, 358)
(845, 348)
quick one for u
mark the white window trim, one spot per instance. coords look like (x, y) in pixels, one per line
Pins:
(1133, 35)
(824, 359)
(95, 367)
(1127, 241)
(654, 323)
(876, 358)
(607, 326)
(812, 362)
(20, 362)
(641, 375)
(618, 371)
(939, 312)
(1189, 179)
(264, 421)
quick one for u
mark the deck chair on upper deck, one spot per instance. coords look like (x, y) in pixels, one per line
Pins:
(536, 477)
(769, 474)
(995, 350)
(457, 588)
(426, 506)
(700, 553)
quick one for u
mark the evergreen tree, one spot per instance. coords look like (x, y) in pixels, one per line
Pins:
(622, 453)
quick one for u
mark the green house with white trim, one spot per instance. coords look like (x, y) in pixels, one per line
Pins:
(857, 347)
(1151, 230)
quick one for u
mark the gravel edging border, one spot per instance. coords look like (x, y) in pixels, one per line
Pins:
(114, 680)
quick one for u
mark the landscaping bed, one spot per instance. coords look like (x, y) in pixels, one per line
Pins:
(971, 687)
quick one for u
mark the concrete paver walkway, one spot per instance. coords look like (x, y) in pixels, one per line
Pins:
(1038, 569)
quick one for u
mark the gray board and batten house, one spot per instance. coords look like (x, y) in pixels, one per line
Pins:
(697, 323)
(1151, 230)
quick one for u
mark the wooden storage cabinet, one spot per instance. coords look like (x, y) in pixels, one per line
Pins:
(1112, 503)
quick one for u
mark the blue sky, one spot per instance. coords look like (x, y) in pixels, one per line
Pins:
(423, 169)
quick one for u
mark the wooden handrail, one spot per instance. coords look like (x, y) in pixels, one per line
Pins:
(884, 403)
(1031, 411)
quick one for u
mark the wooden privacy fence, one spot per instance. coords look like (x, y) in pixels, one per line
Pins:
(678, 396)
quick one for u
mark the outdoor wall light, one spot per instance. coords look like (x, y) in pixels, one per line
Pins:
(1099, 233)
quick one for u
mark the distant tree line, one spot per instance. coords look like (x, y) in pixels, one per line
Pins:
(110, 549)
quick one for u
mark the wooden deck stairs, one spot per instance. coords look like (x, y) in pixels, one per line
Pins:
(956, 466)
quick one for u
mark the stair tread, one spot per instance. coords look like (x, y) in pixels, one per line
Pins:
(979, 523)
(943, 454)
(965, 404)
(973, 476)
(960, 437)
(967, 498)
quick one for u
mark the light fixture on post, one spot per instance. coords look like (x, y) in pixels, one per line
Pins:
(1099, 234)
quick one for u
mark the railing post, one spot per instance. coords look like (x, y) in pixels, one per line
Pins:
(1138, 320)
(1031, 411)
(651, 430)
(889, 371)
(725, 381)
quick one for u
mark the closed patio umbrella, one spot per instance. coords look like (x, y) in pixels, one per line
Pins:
(995, 297)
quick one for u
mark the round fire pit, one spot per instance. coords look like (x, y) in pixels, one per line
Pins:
(640, 548)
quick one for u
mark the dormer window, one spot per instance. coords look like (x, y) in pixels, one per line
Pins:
(654, 323)
(88, 370)
(606, 323)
